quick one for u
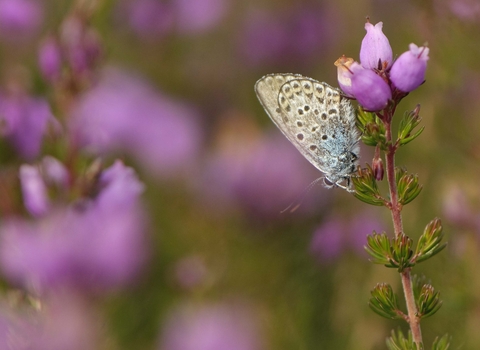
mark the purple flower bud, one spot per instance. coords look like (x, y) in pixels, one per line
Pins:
(55, 173)
(25, 122)
(20, 19)
(50, 59)
(34, 190)
(408, 71)
(211, 327)
(375, 51)
(370, 90)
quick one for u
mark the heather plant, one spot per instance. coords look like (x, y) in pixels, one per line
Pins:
(379, 83)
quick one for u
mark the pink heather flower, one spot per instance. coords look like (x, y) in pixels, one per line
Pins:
(95, 245)
(276, 37)
(34, 190)
(370, 90)
(124, 113)
(214, 327)
(50, 59)
(262, 177)
(80, 44)
(25, 120)
(375, 47)
(63, 322)
(345, 68)
(151, 19)
(408, 71)
(335, 236)
(20, 18)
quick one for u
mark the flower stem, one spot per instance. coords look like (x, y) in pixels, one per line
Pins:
(396, 209)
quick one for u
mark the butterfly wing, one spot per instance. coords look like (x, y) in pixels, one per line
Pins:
(313, 116)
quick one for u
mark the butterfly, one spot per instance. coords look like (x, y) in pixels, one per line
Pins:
(317, 119)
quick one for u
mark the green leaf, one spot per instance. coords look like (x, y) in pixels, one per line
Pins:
(378, 247)
(366, 187)
(398, 341)
(384, 302)
(429, 243)
(372, 128)
(442, 343)
(401, 252)
(428, 302)
(408, 187)
(407, 124)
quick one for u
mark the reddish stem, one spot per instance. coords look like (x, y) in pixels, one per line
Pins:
(396, 209)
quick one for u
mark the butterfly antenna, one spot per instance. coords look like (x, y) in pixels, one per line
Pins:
(297, 202)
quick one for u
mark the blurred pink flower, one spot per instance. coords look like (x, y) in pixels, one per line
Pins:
(99, 244)
(20, 18)
(336, 235)
(263, 177)
(123, 113)
(464, 10)
(24, 122)
(215, 327)
(63, 322)
(152, 19)
(297, 34)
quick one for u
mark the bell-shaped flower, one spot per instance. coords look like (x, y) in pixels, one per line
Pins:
(345, 67)
(34, 190)
(370, 90)
(375, 51)
(408, 71)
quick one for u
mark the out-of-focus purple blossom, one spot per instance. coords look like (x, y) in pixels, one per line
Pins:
(80, 44)
(408, 71)
(34, 190)
(370, 90)
(63, 322)
(24, 122)
(148, 18)
(262, 177)
(98, 245)
(50, 59)
(335, 236)
(152, 19)
(375, 50)
(200, 15)
(464, 10)
(20, 18)
(457, 208)
(299, 33)
(124, 113)
(327, 241)
(215, 327)
(54, 172)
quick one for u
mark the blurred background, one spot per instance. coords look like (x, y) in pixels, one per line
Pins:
(167, 87)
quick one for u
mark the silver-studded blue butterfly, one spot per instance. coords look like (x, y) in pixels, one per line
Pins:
(317, 119)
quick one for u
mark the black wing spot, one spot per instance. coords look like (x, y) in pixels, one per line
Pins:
(324, 137)
(306, 108)
(300, 137)
(299, 123)
(313, 147)
(324, 116)
(300, 111)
